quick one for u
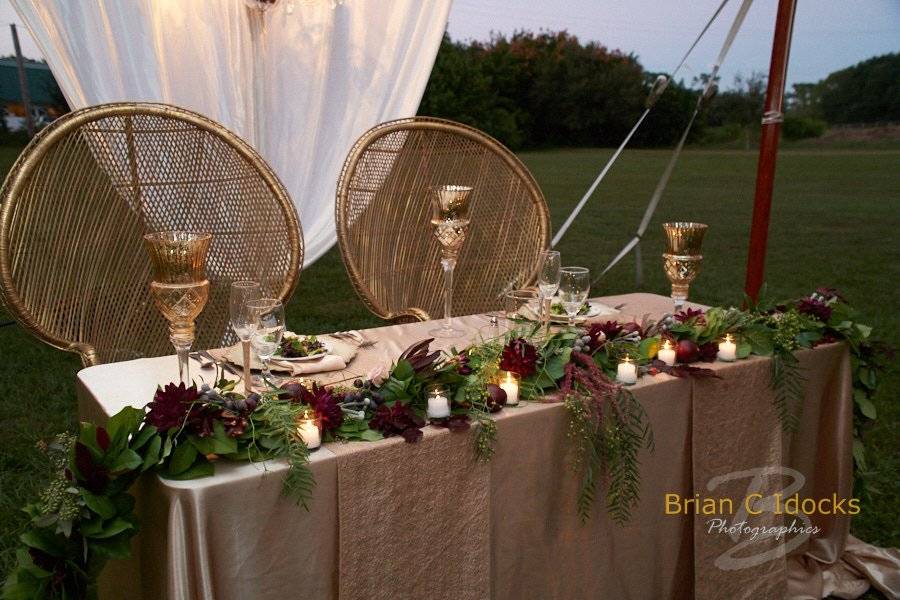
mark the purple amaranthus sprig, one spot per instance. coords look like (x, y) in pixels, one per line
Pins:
(690, 315)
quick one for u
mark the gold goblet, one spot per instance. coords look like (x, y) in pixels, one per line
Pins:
(180, 289)
(450, 219)
(682, 258)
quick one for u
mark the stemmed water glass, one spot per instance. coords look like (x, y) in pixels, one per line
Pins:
(548, 282)
(243, 321)
(574, 286)
(268, 330)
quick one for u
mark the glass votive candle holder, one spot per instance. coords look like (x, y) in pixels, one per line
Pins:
(309, 429)
(509, 383)
(438, 403)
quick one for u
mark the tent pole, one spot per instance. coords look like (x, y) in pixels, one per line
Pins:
(768, 148)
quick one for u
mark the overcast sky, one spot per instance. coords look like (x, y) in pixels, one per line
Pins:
(828, 34)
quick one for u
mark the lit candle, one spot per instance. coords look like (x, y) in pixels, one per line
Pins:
(627, 372)
(667, 353)
(510, 385)
(727, 349)
(308, 430)
(438, 404)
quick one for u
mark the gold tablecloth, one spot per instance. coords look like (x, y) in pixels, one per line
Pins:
(392, 520)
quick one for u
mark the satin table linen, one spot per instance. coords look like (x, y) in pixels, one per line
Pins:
(389, 519)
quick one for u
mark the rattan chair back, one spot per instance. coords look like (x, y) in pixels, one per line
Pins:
(383, 216)
(73, 268)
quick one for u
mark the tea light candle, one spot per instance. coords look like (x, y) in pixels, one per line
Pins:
(509, 383)
(438, 404)
(308, 430)
(727, 349)
(627, 372)
(667, 353)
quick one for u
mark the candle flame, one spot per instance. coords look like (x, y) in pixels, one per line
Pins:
(728, 338)
(667, 345)
(627, 359)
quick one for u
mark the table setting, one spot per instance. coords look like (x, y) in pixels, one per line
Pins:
(536, 439)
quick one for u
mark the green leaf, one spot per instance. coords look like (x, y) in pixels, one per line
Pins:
(122, 424)
(144, 436)
(648, 347)
(116, 547)
(403, 371)
(865, 405)
(218, 443)
(864, 330)
(111, 528)
(101, 505)
(151, 453)
(859, 454)
(807, 338)
(370, 435)
(199, 469)
(127, 460)
(182, 458)
(760, 339)
(744, 349)
(44, 539)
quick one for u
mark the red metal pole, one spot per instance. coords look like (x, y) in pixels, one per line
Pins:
(768, 148)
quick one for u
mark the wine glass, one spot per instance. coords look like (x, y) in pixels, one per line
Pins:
(450, 219)
(242, 319)
(267, 331)
(548, 281)
(574, 285)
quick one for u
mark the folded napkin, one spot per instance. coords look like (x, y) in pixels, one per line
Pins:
(343, 350)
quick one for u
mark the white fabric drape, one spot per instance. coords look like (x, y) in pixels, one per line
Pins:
(300, 81)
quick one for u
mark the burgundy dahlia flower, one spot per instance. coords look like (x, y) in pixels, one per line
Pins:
(170, 405)
(519, 357)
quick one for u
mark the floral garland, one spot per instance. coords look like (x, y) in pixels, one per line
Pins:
(85, 516)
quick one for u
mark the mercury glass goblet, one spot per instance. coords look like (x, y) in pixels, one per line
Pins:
(682, 259)
(450, 219)
(180, 289)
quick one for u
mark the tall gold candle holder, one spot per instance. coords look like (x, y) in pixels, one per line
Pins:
(682, 259)
(450, 219)
(180, 289)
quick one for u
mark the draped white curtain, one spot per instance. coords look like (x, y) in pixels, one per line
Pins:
(300, 81)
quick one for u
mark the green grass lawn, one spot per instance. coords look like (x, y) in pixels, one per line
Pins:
(834, 222)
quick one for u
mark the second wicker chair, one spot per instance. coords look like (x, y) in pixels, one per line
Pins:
(383, 218)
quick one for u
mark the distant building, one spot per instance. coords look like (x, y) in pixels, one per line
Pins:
(47, 102)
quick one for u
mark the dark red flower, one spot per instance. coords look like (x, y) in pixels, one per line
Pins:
(453, 422)
(91, 476)
(170, 406)
(462, 363)
(828, 294)
(709, 351)
(632, 327)
(814, 308)
(102, 438)
(399, 419)
(694, 315)
(320, 399)
(519, 357)
(610, 329)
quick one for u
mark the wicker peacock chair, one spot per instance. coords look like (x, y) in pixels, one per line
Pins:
(383, 218)
(73, 268)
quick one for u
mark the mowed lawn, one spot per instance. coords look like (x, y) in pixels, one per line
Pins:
(834, 222)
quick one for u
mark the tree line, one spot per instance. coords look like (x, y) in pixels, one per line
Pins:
(548, 89)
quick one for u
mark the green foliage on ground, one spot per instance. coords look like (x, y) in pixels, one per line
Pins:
(834, 222)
